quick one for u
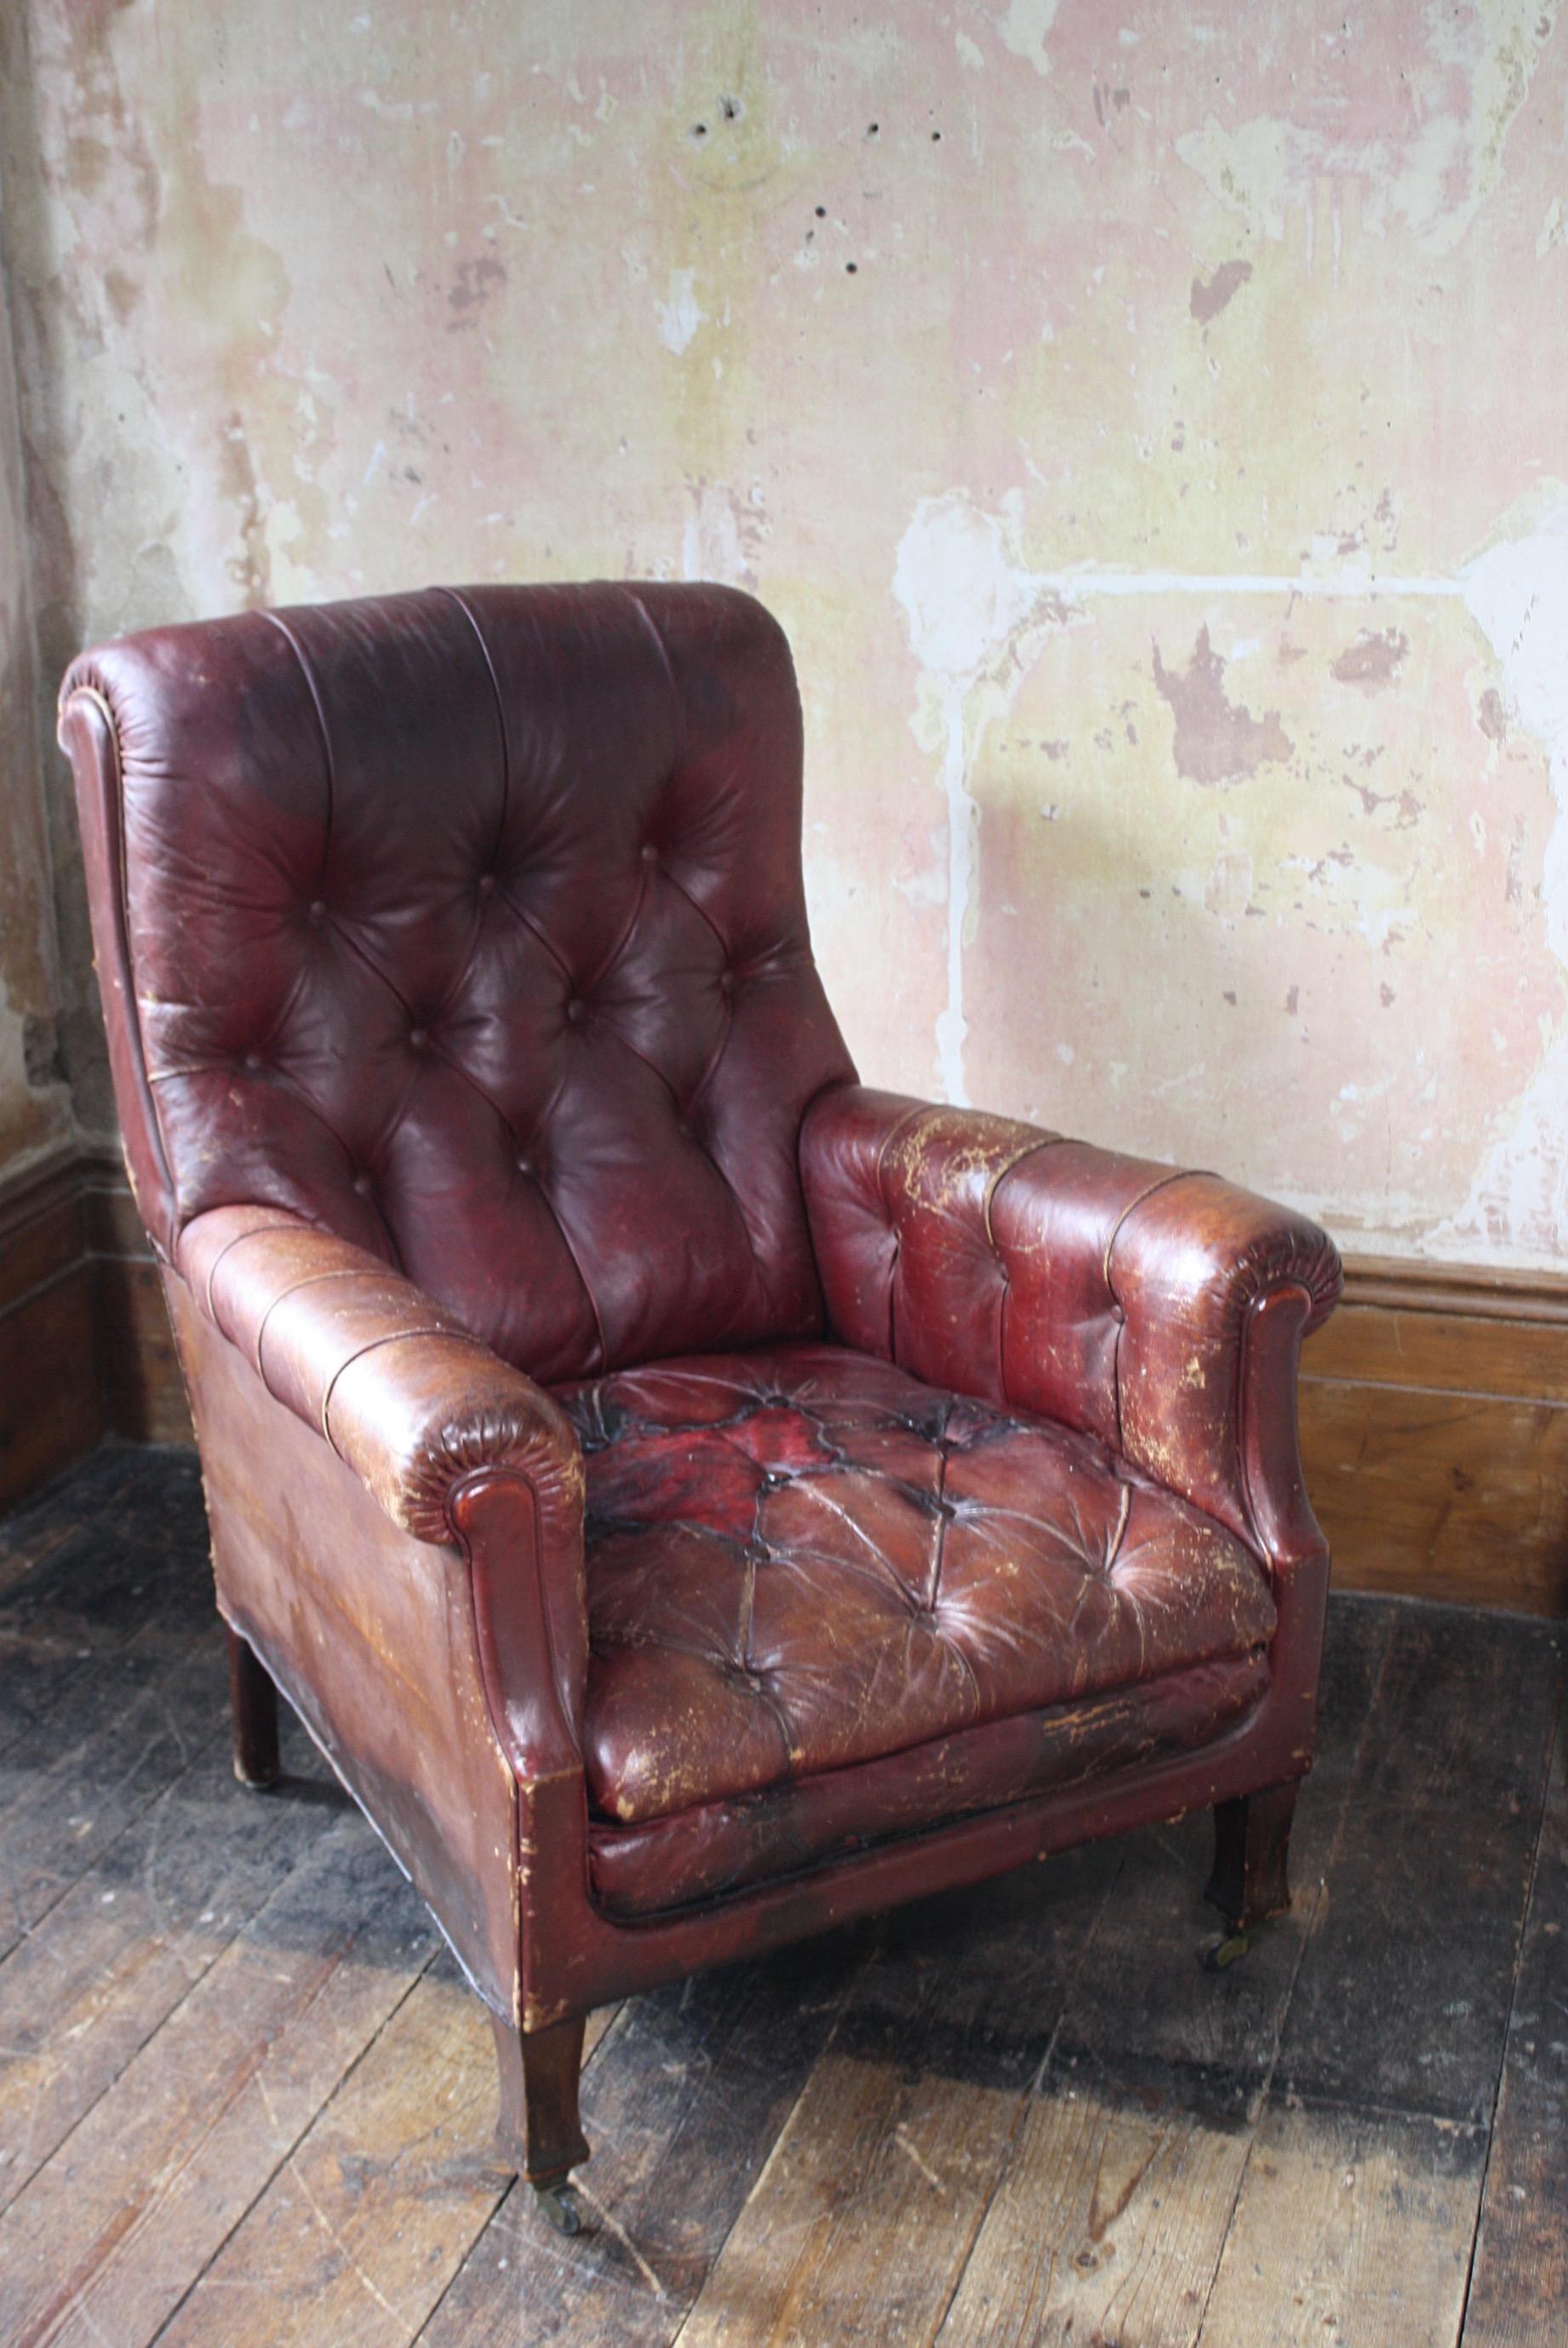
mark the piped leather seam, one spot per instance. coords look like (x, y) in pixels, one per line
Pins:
(1123, 1519)
(909, 1117)
(329, 765)
(726, 949)
(920, 1109)
(374, 1345)
(521, 913)
(1243, 1365)
(660, 646)
(1177, 1174)
(573, 1725)
(601, 971)
(228, 1247)
(115, 835)
(454, 595)
(1047, 1141)
(308, 1280)
(1031, 1149)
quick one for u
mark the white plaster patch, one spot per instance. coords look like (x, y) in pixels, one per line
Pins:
(1027, 28)
(1517, 591)
(1254, 170)
(680, 316)
(962, 592)
(1432, 169)
(922, 888)
(973, 613)
(720, 538)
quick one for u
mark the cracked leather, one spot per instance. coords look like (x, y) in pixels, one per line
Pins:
(802, 1561)
(483, 1102)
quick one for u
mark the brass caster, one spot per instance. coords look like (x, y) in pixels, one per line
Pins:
(255, 1785)
(1227, 1951)
(558, 2204)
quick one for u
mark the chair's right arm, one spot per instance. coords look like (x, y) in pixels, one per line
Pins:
(1157, 1309)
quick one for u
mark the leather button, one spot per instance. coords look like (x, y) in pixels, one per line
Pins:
(318, 909)
(362, 1184)
(650, 853)
(576, 1010)
(526, 1166)
(418, 1037)
(487, 884)
(727, 981)
(252, 1060)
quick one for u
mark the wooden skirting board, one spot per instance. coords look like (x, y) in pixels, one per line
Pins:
(85, 1348)
(1434, 1430)
(1434, 1407)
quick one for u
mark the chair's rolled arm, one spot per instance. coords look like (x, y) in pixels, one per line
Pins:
(452, 1443)
(1109, 1292)
(407, 1398)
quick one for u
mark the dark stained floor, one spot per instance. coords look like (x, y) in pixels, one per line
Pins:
(245, 2097)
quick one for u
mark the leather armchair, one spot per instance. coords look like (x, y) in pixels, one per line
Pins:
(692, 1498)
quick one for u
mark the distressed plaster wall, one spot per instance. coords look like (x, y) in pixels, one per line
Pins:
(35, 1104)
(1147, 420)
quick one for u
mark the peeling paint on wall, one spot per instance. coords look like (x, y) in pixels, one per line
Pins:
(1210, 294)
(1140, 431)
(1414, 109)
(1215, 739)
(974, 615)
(1517, 591)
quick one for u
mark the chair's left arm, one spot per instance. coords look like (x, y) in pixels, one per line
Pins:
(453, 1445)
(1157, 1309)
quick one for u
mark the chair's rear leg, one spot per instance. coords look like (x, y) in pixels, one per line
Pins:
(540, 2129)
(1252, 1845)
(254, 1701)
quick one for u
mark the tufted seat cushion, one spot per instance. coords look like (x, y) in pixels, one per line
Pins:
(801, 1561)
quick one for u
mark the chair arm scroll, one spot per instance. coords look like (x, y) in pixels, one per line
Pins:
(453, 1444)
(1112, 1293)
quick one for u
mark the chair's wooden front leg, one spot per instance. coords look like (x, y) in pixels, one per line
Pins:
(1252, 1844)
(540, 2128)
(255, 1702)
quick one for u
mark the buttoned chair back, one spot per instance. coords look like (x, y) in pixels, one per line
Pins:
(470, 925)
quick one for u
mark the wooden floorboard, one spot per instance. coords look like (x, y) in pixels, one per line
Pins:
(245, 2097)
(1110, 2219)
(682, 2104)
(1519, 2287)
(86, 1989)
(1405, 1987)
(1351, 2226)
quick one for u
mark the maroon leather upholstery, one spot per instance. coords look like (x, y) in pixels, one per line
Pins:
(942, 1503)
(411, 1399)
(1106, 1292)
(470, 927)
(801, 1558)
(722, 1846)
(801, 1562)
